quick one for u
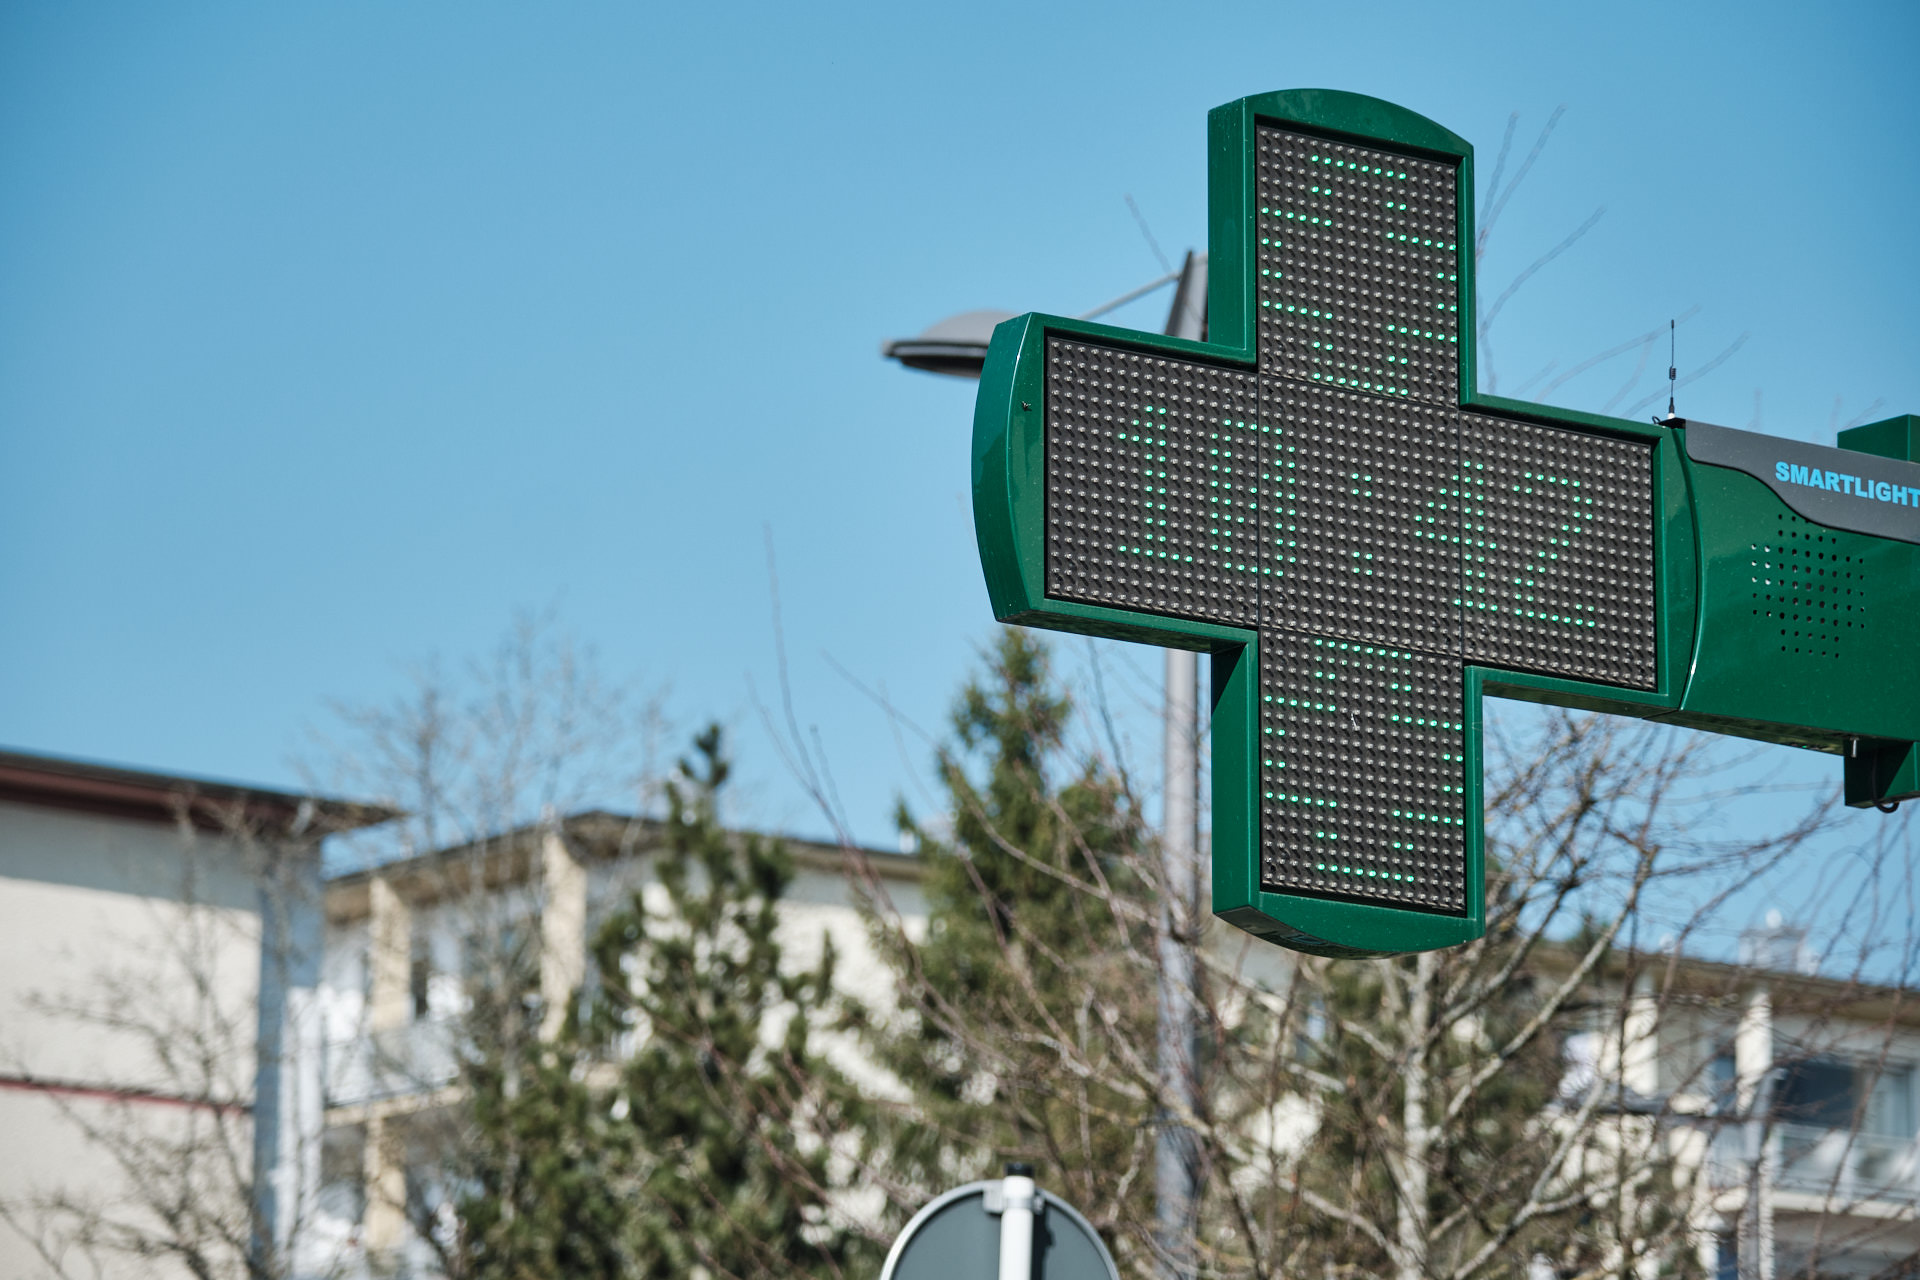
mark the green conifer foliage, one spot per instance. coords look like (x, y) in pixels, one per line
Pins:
(543, 1198)
(684, 1121)
(1406, 1117)
(1026, 1027)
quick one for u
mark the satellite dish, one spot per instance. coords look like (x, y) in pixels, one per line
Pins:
(1004, 1229)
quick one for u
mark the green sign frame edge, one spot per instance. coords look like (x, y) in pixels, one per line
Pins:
(1009, 452)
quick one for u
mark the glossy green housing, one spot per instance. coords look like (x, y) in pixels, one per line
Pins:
(1699, 583)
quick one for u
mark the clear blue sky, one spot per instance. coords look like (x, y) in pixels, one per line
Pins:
(332, 334)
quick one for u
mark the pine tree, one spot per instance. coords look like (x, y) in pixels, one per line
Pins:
(679, 1123)
(1026, 1027)
(1399, 1117)
(728, 1099)
(544, 1195)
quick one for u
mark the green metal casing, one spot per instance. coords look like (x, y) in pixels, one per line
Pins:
(1712, 671)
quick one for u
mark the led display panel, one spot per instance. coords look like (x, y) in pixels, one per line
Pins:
(1362, 772)
(1314, 492)
(1336, 499)
(1152, 496)
(1358, 286)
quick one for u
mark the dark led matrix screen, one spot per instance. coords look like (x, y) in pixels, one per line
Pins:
(1338, 500)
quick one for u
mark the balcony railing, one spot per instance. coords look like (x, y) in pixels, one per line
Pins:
(1846, 1166)
(393, 1062)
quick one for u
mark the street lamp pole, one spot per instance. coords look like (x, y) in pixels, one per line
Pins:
(958, 346)
(1176, 1152)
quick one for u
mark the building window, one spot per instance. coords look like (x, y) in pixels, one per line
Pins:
(1827, 1093)
(420, 979)
(343, 1189)
(1890, 1103)
(1727, 1261)
(1723, 1083)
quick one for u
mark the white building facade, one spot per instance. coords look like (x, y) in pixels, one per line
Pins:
(405, 939)
(1789, 1103)
(1786, 1103)
(159, 1034)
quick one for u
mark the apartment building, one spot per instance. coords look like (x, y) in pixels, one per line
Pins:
(160, 943)
(1799, 1095)
(404, 940)
(1787, 1103)
(1786, 1099)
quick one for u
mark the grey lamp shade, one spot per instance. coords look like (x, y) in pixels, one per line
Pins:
(956, 346)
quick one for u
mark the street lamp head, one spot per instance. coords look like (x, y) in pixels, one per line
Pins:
(956, 346)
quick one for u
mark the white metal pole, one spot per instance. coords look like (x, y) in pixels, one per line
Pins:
(1018, 1196)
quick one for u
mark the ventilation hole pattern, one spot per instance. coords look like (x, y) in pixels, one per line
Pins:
(1357, 284)
(1362, 773)
(1556, 551)
(1809, 583)
(1151, 484)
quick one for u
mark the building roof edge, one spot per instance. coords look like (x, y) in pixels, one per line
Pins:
(88, 786)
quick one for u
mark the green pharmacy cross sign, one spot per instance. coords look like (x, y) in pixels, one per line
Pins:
(1317, 496)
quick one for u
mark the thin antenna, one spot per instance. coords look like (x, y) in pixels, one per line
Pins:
(1673, 373)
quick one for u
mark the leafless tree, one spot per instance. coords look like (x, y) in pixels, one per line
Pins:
(176, 1184)
(469, 939)
(476, 761)
(1561, 1094)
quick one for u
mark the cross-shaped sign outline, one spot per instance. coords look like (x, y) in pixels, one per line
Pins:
(1009, 480)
